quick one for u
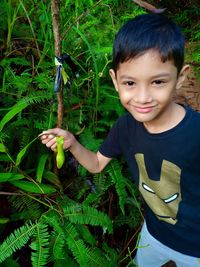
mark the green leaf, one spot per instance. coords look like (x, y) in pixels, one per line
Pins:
(52, 178)
(2, 148)
(40, 167)
(4, 220)
(13, 111)
(9, 176)
(34, 187)
(22, 153)
(4, 157)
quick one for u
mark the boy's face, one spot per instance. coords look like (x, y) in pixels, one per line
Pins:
(146, 86)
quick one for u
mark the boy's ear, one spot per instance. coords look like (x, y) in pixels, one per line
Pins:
(182, 76)
(114, 79)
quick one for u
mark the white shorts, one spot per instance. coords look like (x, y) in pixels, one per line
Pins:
(152, 253)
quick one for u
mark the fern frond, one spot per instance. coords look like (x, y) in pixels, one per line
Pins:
(98, 259)
(83, 214)
(54, 220)
(27, 207)
(10, 262)
(70, 236)
(76, 245)
(16, 240)
(57, 246)
(111, 254)
(37, 98)
(114, 171)
(101, 183)
(86, 234)
(73, 235)
(69, 261)
(91, 199)
(40, 246)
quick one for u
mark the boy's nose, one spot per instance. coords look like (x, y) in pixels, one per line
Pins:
(142, 95)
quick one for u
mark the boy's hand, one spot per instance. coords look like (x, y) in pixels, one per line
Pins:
(93, 162)
(48, 138)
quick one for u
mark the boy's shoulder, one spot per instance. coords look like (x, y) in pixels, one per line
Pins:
(193, 114)
(191, 123)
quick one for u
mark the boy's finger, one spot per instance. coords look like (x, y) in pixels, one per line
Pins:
(46, 135)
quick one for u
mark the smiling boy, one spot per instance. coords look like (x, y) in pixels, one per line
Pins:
(159, 139)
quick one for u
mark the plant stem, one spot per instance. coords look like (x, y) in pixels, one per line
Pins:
(55, 8)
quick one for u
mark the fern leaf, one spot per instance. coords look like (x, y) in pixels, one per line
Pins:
(58, 244)
(40, 246)
(120, 183)
(76, 245)
(26, 207)
(111, 254)
(10, 262)
(85, 233)
(83, 214)
(70, 262)
(16, 240)
(91, 198)
(71, 237)
(97, 258)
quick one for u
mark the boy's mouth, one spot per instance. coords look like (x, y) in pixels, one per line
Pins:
(143, 109)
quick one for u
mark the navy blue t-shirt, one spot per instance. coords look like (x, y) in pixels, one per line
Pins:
(166, 168)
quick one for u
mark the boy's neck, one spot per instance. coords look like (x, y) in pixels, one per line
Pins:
(173, 117)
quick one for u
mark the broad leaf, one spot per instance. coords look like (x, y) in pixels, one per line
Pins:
(40, 167)
(34, 187)
(2, 148)
(9, 176)
(22, 153)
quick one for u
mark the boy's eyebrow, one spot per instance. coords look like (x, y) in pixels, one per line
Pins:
(162, 74)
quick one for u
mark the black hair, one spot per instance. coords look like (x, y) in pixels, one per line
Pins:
(149, 31)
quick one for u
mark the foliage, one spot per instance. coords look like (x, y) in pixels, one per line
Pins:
(65, 215)
(53, 219)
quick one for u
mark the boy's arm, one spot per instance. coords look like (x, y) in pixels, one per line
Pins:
(93, 162)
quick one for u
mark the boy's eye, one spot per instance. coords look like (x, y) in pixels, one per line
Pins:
(129, 83)
(158, 82)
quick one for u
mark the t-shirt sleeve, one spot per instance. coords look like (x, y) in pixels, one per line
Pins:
(111, 145)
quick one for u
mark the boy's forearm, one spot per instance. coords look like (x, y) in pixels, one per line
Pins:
(85, 157)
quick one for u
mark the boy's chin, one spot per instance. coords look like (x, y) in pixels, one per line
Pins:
(143, 117)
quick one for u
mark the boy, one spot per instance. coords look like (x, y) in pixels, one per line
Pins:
(159, 139)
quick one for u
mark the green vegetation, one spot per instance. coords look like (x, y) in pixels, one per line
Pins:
(67, 215)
